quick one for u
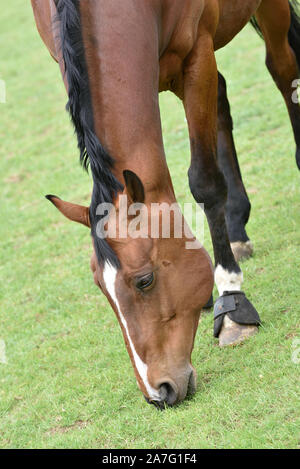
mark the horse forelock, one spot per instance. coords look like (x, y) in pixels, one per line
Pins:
(92, 152)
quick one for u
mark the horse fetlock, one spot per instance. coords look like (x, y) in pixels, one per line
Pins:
(237, 212)
(227, 281)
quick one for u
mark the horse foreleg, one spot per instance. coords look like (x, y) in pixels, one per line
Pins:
(235, 317)
(237, 209)
(282, 36)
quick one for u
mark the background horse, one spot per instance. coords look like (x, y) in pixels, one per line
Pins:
(281, 30)
(115, 57)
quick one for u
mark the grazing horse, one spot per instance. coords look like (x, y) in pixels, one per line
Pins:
(115, 57)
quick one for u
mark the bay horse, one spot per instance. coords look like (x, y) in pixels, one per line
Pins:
(115, 57)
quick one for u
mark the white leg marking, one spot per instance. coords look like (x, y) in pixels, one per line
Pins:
(109, 276)
(227, 281)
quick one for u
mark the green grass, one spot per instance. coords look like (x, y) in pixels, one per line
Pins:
(68, 381)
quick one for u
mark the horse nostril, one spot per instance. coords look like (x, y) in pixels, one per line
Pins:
(168, 394)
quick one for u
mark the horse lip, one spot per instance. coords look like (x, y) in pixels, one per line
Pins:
(159, 405)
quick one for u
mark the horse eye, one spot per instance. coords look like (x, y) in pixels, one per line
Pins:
(145, 282)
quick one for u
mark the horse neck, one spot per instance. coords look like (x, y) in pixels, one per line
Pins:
(123, 69)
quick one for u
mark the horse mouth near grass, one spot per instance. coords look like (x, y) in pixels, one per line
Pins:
(170, 395)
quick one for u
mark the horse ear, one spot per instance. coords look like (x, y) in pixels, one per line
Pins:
(134, 187)
(73, 212)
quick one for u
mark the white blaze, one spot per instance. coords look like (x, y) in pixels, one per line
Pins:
(109, 276)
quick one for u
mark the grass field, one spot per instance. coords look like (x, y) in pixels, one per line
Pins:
(68, 381)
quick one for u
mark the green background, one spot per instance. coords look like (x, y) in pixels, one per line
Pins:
(68, 381)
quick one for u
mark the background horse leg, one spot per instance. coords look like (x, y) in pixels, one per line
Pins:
(237, 209)
(208, 186)
(281, 30)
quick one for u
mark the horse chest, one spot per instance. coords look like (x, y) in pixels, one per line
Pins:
(170, 73)
(179, 40)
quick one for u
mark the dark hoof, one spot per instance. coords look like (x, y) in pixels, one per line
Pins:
(242, 250)
(235, 318)
(210, 303)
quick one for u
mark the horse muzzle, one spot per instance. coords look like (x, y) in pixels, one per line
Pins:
(172, 393)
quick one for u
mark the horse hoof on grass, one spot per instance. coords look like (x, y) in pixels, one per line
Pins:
(241, 250)
(234, 334)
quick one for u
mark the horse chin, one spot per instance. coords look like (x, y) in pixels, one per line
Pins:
(159, 405)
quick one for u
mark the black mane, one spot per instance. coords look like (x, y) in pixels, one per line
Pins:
(79, 106)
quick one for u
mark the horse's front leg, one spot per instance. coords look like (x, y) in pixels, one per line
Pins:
(235, 317)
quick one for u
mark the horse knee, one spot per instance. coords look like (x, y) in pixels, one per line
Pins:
(208, 187)
(237, 212)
